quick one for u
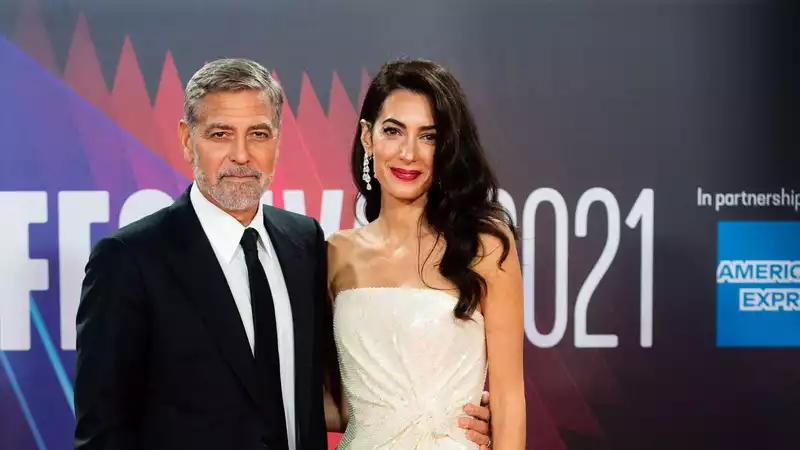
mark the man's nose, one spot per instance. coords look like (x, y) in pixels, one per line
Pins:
(240, 153)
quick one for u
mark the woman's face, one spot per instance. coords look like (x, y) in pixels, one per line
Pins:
(402, 142)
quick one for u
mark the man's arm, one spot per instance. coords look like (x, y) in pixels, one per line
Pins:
(478, 427)
(112, 340)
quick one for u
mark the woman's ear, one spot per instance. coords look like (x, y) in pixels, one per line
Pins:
(366, 136)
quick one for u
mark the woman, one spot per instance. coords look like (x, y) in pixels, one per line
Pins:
(430, 289)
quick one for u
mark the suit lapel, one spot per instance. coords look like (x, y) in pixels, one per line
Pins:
(296, 275)
(196, 266)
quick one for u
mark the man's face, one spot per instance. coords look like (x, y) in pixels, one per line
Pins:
(233, 148)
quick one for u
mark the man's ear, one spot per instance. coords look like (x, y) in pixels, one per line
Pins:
(185, 136)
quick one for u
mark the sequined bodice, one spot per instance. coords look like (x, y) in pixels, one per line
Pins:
(408, 368)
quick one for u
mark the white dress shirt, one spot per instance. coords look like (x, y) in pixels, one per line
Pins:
(224, 232)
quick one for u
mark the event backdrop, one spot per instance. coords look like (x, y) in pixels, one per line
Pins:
(647, 150)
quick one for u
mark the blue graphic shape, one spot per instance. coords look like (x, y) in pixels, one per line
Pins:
(52, 355)
(23, 403)
(55, 140)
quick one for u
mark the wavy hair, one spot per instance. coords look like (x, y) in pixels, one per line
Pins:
(462, 201)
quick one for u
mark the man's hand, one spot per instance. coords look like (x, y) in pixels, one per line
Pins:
(480, 432)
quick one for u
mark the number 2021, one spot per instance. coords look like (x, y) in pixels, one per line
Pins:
(640, 215)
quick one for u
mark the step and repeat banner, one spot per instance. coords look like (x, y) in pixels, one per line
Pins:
(646, 149)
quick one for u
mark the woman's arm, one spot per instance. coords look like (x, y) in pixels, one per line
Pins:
(333, 396)
(335, 419)
(502, 309)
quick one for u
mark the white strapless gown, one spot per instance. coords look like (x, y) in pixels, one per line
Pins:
(408, 367)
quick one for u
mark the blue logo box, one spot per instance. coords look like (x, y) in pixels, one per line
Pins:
(758, 284)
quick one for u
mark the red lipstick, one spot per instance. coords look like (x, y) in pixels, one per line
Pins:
(405, 175)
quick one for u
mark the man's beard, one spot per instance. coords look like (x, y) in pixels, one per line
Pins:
(232, 195)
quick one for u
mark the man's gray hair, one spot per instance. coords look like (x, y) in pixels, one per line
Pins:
(230, 75)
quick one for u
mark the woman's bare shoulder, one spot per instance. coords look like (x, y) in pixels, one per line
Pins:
(343, 240)
(342, 250)
(342, 245)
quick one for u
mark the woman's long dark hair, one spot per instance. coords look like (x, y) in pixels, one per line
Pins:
(462, 200)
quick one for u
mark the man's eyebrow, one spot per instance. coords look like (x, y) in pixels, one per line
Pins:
(223, 126)
(218, 126)
(261, 126)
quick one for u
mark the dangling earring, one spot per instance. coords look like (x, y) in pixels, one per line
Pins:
(366, 176)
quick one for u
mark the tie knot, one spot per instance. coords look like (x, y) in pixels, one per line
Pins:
(249, 240)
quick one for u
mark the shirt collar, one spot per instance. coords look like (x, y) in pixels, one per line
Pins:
(223, 230)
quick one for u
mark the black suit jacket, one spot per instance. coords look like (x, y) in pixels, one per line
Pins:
(163, 361)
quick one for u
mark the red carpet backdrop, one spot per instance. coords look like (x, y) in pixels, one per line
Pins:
(646, 149)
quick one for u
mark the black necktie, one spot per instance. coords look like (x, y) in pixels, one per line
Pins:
(266, 343)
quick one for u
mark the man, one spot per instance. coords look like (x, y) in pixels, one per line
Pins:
(205, 324)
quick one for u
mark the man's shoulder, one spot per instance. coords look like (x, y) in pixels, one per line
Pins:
(139, 239)
(147, 230)
(291, 222)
